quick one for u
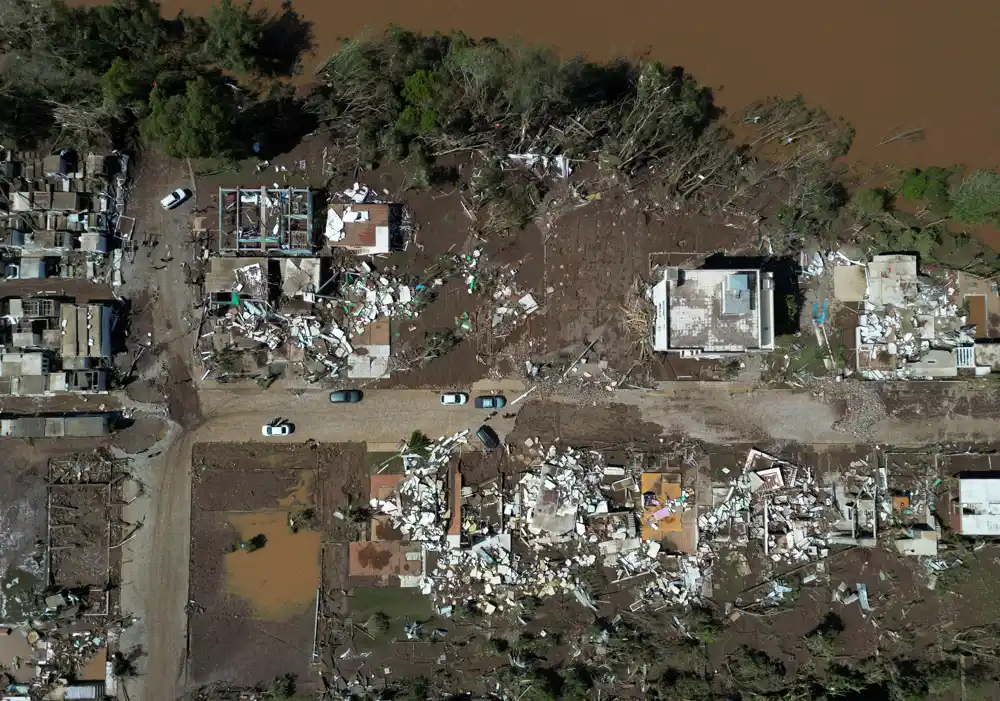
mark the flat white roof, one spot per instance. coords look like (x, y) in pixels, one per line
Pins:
(892, 279)
(979, 501)
(714, 310)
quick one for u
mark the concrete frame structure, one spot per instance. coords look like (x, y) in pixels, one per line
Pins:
(712, 313)
(266, 221)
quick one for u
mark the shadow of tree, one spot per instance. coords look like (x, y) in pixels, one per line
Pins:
(277, 123)
(285, 38)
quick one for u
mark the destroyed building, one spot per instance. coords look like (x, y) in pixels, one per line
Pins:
(389, 558)
(362, 229)
(264, 221)
(913, 325)
(81, 426)
(278, 307)
(357, 223)
(539, 537)
(712, 313)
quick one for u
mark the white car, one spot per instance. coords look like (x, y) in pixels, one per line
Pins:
(455, 398)
(282, 429)
(175, 198)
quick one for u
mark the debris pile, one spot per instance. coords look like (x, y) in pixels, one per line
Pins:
(790, 516)
(909, 325)
(372, 295)
(568, 513)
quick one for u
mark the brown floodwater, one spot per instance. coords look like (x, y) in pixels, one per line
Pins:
(279, 580)
(886, 66)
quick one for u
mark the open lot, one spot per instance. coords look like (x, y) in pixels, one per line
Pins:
(79, 536)
(253, 611)
(23, 523)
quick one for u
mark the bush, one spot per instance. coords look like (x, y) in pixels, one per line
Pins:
(281, 688)
(378, 623)
(978, 199)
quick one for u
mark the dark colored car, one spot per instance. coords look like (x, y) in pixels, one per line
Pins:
(491, 402)
(489, 437)
(346, 396)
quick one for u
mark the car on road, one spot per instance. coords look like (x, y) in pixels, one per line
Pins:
(489, 437)
(494, 401)
(277, 428)
(346, 396)
(175, 198)
(454, 398)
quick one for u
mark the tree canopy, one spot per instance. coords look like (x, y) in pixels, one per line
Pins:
(978, 198)
(195, 122)
(235, 34)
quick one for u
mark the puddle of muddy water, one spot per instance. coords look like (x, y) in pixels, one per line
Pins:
(279, 580)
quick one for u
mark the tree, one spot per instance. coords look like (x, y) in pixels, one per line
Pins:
(978, 199)
(871, 202)
(281, 688)
(195, 123)
(123, 89)
(931, 185)
(422, 92)
(418, 442)
(254, 544)
(378, 623)
(235, 34)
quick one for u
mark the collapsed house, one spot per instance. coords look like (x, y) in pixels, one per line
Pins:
(83, 426)
(713, 313)
(276, 310)
(357, 223)
(362, 229)
(490, 546)
(914, 325)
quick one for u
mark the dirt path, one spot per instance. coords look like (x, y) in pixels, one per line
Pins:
(155, 564)
(914, 413)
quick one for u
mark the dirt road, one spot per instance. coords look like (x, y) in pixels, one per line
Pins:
(384, 417)
(904, 414)
(155, 563)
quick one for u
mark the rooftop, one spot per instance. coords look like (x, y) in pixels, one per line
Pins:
(359, 226)
(979, 505)
(892, 279)
(714, 310)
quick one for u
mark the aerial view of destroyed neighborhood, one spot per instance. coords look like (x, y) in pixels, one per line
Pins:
(397, 352)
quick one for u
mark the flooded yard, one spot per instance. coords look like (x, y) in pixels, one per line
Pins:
(279, 580)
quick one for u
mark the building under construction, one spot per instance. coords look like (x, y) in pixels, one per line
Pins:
(264, 221)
